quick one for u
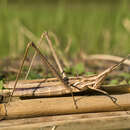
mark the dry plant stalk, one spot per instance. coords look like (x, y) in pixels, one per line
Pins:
(62, 106)
(108, 58)
(83, 84)
(53, 87)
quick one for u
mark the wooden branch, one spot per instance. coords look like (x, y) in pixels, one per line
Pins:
(85, 121)
(53, 87)
(114, 89)
(63, 105)
(108, 58)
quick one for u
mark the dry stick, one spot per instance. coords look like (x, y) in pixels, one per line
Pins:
(106, 58)
(54, 89)
(68, 45)
(30, 66)
(55, 38)
(55, 106)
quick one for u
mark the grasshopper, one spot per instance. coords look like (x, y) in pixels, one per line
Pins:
(68, 86)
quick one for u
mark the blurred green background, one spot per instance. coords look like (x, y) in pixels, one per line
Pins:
(92, 26)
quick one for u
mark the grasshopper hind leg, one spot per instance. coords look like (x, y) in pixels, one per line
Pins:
(105, 93)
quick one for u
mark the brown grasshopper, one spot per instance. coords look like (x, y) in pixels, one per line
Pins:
(80, 85)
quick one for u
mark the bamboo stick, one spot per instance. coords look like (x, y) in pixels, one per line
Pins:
(108, 58)
(48, 81)
(62, 105)
(55, 89)
(116, 119)
(114, 89)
